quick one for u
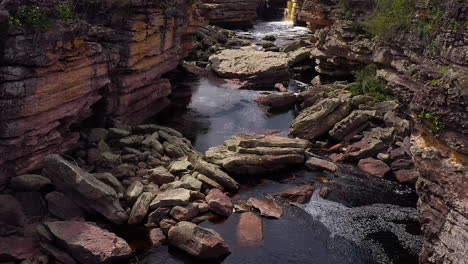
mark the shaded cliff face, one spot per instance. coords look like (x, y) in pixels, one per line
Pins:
(426, 67)
(230, 13)
(107, 63)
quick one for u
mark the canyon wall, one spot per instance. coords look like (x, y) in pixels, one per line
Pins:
(426, 67)
(109, 62)
(230, 13)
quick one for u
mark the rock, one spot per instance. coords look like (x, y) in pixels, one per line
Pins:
(269, 38)
(372, 143)
(17, 248)
(257, 154)
(249, 230)
(175, 185)
(293, 46)
(402, 164)
(407, 176)
(30, 183)
(219, 203)
(267, 44)
(160, 175)
(180, 166)
(251, 66)
(12, 217)
(157, 237)
(383, 157)
(298, 56)
(166, 225)
(140, 208)
(278, 100)
(88, 243)
(362, 99)
(352, 123)
(193, 183)
(84, 189)
(207, 181)
(171, 198)
(62, 207)
(280, 87)
(134, 191)
(267, 207)
(118, 133)
(103, 147)
(108, 159)
(325, 191)
(185, 213)
(402, 126)
(373, 167)
(158, 214)
(318, 119)
(213, 172)
(320, 164)
(197, 241)
(110, 180)
(299, 194)
(33, 205)
(131, 141)
(398, 153)
(97, 134)
(56, 253)
(316, 81)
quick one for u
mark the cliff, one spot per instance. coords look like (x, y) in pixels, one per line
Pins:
(421, 51)
(108, 61)
(230, 13)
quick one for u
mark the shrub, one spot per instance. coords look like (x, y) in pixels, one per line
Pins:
(444, 70)
(434, 121)
(389, 17)
(66, 11)
(30, 17)
(366, 82)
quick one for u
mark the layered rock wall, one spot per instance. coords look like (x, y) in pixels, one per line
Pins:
(230, 12)
(108, 63)
(427, 71)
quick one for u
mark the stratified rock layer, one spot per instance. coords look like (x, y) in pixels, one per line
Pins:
(230, 12)
(57, 78)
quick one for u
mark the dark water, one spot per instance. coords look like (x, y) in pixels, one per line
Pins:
(364, 220)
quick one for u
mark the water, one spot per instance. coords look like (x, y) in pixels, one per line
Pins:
(219, 110)
(285, 32)
(364, 220)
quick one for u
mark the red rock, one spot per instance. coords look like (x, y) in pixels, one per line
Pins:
(219, 202)
(373, 167)
(299, 194)
(407, 176)
(18, 248)
(267, 207)
(249, 230)
(88, 243)
(157, 237)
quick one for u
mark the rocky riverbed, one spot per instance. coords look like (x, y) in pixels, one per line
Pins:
(271, 150)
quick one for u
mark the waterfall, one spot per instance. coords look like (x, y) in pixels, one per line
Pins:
(290, 11)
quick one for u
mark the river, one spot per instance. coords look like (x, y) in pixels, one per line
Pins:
(364, 220)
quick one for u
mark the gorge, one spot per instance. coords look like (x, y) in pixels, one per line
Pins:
(184, 129)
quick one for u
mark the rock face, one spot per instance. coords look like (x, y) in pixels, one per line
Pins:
(443, 202)
(197, 241)
(88, 243)
(84, 189)
(229, 12)
(255, 154)
(57, 78)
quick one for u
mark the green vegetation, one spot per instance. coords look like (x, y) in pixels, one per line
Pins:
(30, 17)
(435, 82)
(366, 82)
(66, 11)
(389, 17)
(433, 120)
(444, 70)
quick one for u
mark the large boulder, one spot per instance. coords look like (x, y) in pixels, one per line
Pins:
(198, 241)
(88, 243)
(84, 189)
(256, 154)
(251, 66)
(266, 207)
(320, 117)
(30, 183)
(299, 194)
